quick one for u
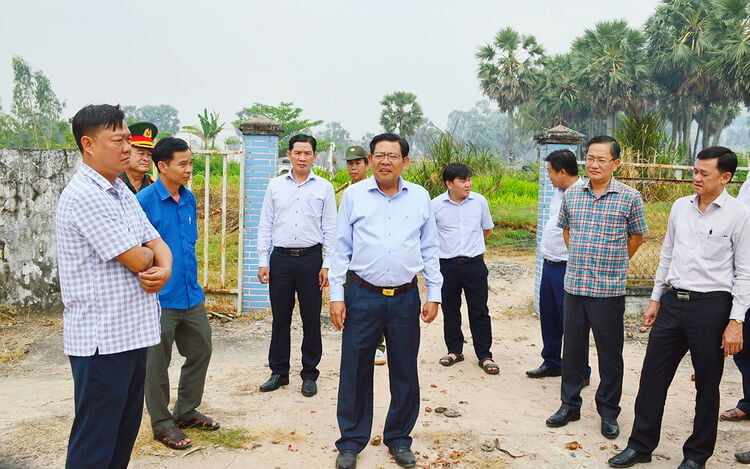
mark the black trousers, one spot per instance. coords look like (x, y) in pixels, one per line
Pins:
(471, 278)
(696, 326)
(290, 275)
(604, 317)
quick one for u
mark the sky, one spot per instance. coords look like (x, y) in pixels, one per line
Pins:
(336, 59)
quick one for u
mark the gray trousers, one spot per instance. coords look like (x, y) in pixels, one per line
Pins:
(190, 331)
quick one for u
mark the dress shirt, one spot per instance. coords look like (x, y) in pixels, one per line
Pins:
(461, 226)
(707, 251)
(600, 227)
(552, 247)
(744, 195)
(386, 240)
(297, 215)
(175, 222)
(105, 307)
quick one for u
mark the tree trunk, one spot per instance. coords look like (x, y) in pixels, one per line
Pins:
(706, 126)
(687, 132)
(720, 124)
(511, 132)
(611, 123)
(695, 145)
(675, 124)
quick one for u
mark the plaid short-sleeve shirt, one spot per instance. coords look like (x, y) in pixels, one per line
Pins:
(599, 231)
(105, 307)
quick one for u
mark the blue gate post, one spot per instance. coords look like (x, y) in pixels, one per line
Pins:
(258, 167)
(556, 138)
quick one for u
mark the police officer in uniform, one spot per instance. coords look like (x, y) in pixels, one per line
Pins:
(136, 176)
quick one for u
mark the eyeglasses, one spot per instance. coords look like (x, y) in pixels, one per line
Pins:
(599, 161)
(391, 156)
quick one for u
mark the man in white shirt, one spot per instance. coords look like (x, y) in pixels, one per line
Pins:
(562, 170)
(463, 220)
(698, 304)
(297, 227)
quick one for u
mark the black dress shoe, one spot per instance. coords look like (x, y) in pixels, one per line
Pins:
(404, 456)
(347, 459)
(628, 458)
(309, 388)
(744, 458)
(563, 416)
(610, 429)
(690, 464)
(543, 371)
(274, 382)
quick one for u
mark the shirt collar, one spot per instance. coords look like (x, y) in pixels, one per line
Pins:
(373, 185)
(447, 196)
(310, 177)
(719, 201)
(104, 185)
(612, 187)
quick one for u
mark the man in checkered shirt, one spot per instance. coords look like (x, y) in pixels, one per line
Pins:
(603, 226)
(112, 263)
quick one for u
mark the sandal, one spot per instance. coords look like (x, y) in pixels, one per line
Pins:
(172, 437)
(489, 366)
(199, 421)
(734, 415)
(452, 359)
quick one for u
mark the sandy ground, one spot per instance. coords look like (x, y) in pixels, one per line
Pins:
(501, 423)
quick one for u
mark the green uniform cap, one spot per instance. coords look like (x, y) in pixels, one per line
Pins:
(355, 153)
(143, 134)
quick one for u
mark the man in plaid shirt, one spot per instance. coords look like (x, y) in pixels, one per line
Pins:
(603, 226)
(112, 263)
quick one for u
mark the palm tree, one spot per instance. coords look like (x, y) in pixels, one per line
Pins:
(508, 72)
(208, 131)
(401, 113)
(612, 70)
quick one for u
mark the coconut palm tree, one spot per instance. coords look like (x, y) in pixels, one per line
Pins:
(508, 72)
(209, 129)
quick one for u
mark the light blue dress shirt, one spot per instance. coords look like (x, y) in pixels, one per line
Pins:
(461, 226)
(386, 240)
(297, 215)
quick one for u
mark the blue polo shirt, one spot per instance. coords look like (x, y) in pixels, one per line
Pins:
(177, 226)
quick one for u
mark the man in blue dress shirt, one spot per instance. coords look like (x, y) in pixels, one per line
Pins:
(385, 235)
(297, 225)
(464, 221)
(170, 207)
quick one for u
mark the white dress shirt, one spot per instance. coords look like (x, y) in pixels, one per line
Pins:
(744, 195)
(297, 215)
(552, 246)
(385, 240)
(707, 251)
(461, 226)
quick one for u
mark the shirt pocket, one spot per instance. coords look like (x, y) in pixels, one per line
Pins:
(716, 246)
(314, 206)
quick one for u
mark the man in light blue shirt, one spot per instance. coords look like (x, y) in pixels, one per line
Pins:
(464, 221)
(385, 235)
(171, 208)
(297, 226)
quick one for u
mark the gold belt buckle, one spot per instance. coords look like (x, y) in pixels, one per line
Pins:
(389, 291)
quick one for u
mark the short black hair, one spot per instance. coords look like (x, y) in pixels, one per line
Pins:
(456, 170)
(563, 159)
(304, 139)
(92, 118)
(614, 147)
(726, 158)
(390, 137)
(165, 149)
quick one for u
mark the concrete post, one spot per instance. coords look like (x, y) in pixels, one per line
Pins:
(556, 138)
(261, 137)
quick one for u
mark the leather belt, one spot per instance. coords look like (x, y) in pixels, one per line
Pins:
(385, 291)
(547, 261)
(297, 252)
(464, 259)
(687, 295)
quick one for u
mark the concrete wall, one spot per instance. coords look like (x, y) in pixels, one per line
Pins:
(30, 184)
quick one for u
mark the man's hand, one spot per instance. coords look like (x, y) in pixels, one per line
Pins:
(731, 340)
(263, 275)
(429, 311)
(154, 278)
(338, 314)
(323, 278)
(652, 310)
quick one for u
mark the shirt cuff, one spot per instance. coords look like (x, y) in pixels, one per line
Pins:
(657, 292)
(337, 293)
(738, 312)
(433, 295)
